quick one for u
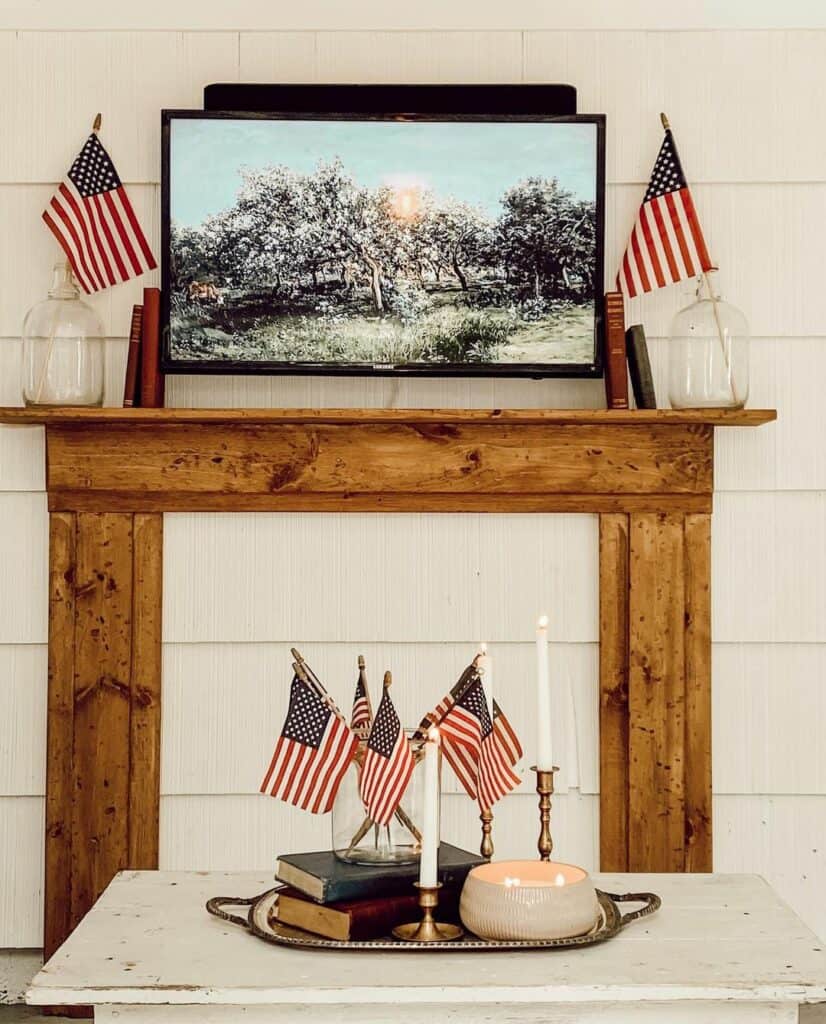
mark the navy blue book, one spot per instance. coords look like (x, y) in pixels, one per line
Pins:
(326, 879)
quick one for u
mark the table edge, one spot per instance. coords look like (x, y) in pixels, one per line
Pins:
(41, 995)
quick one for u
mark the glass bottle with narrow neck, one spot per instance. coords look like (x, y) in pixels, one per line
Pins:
(708, 353)
(63, 347)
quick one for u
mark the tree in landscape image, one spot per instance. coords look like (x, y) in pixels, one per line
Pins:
(314, 266)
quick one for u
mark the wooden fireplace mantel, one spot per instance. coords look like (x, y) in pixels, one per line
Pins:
(112, 473)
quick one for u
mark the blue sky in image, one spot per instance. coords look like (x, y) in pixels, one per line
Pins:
(475, 162)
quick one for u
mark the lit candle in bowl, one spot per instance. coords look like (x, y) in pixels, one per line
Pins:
(529, 899)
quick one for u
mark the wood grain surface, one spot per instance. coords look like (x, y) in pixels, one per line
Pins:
(613, 692)
(613, 417)
(656, 693)
(187, 465)
(697, 575)
(145, 691)
(103, 649)
(60, 731)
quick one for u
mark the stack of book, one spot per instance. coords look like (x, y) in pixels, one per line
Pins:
(354, 902)
(143, 385)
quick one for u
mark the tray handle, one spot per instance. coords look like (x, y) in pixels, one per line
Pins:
(650, 900)
(217, 903)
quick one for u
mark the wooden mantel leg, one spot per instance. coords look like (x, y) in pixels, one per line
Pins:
(697, 536)
(104, 707)
(655, 692)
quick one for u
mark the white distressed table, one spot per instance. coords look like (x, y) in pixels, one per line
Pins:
(723, 948)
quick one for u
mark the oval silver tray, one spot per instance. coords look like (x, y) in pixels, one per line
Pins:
(262, 922)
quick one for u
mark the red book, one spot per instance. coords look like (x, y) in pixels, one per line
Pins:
(151, 378)
(131, 387)
(616, 374)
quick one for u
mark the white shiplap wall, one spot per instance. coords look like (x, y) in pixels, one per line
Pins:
(416, 592)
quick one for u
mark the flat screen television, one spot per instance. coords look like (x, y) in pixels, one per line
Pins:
(382, 244)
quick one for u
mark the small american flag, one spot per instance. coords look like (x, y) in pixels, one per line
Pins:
(481, 752)
(312, 754)
(667, 243)
(388, 764)
(362, 717)
(91, 217)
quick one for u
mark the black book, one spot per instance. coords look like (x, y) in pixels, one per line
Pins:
(326, 879)
(639, 368)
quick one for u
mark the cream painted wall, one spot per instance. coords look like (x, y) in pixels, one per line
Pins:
(417, 592)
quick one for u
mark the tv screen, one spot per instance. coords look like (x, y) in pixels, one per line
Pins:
(355, 244)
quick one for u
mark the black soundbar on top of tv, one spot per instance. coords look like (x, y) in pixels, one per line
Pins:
(451, 100)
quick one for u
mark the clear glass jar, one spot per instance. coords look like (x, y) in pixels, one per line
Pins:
(63, 347)
(708, 354)
(389, 844)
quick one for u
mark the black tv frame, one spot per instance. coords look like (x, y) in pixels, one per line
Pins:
(535, 371)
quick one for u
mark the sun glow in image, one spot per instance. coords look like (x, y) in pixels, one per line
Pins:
(406, 202)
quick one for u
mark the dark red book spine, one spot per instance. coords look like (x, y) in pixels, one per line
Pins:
(616, 375)
(131, 387)
(152, 390)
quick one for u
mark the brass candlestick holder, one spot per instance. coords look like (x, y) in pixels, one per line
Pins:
(486, 847)
(545, 789)
(428, 930)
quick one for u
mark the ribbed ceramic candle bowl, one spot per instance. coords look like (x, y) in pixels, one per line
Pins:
(528, 899)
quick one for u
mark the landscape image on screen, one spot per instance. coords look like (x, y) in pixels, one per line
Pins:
(382, 242)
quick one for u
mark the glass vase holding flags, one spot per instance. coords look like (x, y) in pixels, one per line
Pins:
(708, 350)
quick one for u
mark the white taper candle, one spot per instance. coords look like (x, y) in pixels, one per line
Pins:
(544, 745)
(429, 865)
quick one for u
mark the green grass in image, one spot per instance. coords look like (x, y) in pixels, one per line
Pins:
(443, 334)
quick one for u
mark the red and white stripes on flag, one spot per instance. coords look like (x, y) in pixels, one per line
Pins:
(481, 753)
(92, 218)
(388, 764)
(312, 754)
(506, 737)
(667, 243)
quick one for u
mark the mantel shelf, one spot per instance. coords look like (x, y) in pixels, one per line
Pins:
(516, 417)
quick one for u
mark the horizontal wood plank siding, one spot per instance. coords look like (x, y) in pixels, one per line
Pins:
(393, 578)
(21, 857)
(221, 832)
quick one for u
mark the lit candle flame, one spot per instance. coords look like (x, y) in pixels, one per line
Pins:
(560, 879)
